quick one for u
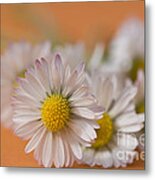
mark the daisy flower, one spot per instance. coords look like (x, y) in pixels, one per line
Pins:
(53, 107)
(127, 47)
(14, 62)
(115, 143)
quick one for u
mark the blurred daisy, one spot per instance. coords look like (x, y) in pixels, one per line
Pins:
(127, 48)
(115, 142)
(14, 62)
(54, 108)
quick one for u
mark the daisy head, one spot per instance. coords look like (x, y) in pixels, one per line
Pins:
(53, 107)
(115, 142)
(14, 62)
(126, 50)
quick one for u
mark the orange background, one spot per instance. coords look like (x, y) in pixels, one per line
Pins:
(89, 22)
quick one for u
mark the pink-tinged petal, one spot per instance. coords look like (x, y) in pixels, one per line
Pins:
(44, 75)
(57, 72)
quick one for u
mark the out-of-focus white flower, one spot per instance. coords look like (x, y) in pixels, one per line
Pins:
(53, 107)
(127, 45)
(14, 62)
(115, 143)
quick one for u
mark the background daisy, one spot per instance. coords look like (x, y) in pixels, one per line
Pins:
(14, 61)
(127, 47)
(116, 139)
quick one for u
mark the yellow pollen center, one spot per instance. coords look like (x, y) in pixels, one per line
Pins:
(140, 108)
(104, 134)
(55, 112)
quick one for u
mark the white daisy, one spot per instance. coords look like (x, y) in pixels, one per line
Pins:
(127, 47)
(14, 62)
(54, 108)
(115, 142)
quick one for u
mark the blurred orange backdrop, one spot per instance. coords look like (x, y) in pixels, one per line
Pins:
(89, 22)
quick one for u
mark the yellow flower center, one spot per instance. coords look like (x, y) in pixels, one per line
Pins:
(104, 134)
(55, 112)
(140, 108)
(138, 63)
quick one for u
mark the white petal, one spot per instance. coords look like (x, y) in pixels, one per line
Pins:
(75, 146)
(47, 150)
(107, 160)
(126, 141)
(83, 130)
(28, 129)
(88, 155)
(123, 101)
(59, 152)
(26, 86)
(85, 101)
(37, 137)
(36, 84)
(98, 158)
(84, 112)
(66, 151)
(97, 55)
(43, 72)
(26, 117)
(106, 93)
(128, 119)
(76, 149)
(131, 129)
